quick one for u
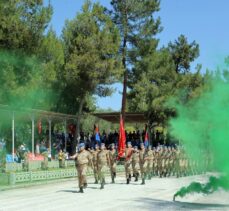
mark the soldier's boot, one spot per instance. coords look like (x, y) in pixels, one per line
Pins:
(143, 181)
(102, 184)
(112, 178)
(136, 177)
(85, 185)
(128, 181)
(114, 174)
(130, 177)
(81, 190)
(96, 181)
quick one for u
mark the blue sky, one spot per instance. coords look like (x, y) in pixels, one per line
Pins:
(205, 21)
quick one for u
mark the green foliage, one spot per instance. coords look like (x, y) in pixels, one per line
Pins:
(22, 24)
(183, 53)
(91, 44)
(138, 28)
(155, 80)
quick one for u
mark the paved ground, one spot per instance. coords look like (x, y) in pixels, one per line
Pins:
(157, 194)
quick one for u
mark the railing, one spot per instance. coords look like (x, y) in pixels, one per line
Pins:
(33, 176)
(36, 165)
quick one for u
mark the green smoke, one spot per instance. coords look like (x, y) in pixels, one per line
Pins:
(212, 185)
(21, 82)
(22, 87)
(202, 126)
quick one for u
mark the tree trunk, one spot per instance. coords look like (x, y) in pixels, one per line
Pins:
(77, 133)
(124, 54)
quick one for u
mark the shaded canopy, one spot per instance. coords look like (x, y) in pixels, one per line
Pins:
(114, 117)
(36, 113)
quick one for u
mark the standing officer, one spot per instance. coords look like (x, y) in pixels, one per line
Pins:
(82, 158)
(102, 162)
(61, 158)
(112, 161)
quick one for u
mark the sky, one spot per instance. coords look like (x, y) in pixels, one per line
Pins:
(205, 21)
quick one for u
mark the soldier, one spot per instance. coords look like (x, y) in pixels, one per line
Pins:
(26, 162)
(162, 156)
(143, 162)
(61, 158)
(83, 158)
(135, 163)
(102, 163)
(155, 163)
(112, 160)
(159, 160)
(94, 158)
(44, 163)
(150, 158)
(128, 161)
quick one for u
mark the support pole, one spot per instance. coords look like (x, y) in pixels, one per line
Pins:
(65, 135)
(13, 136)
(50, 134)
(33, 135)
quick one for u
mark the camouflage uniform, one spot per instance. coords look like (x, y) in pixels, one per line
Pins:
(94, 158)
(143, 163)
(155, 163)
(128, 162)
(135, 163)
(150, 158)
(112, 161)
(102, 161)
(83, 158)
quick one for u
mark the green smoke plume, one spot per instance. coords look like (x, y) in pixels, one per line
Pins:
(22, 87)
(21, 82)
(212, 185)
(202, 126)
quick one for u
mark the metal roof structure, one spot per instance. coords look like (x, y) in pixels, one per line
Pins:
(38, 113)
(130, 117)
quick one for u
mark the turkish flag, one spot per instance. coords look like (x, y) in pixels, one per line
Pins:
(122, 139)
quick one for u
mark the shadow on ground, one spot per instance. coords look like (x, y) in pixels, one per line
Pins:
(155, 204)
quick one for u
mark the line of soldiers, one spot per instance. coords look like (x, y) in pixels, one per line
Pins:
(143, 162)
(99, 159)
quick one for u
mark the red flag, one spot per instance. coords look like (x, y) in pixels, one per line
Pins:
(122, 139)
(39, 126)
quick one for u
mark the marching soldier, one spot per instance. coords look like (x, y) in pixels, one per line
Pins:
(102, 162)
(94, 158)
(128, 161)
(150, 158)
(112, 159)
(83, 158)
(143, 162)
(135, 163)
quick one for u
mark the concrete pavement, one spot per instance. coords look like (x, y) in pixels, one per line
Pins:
(157, 194)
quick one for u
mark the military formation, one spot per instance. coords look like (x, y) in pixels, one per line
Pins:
(139, 162)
